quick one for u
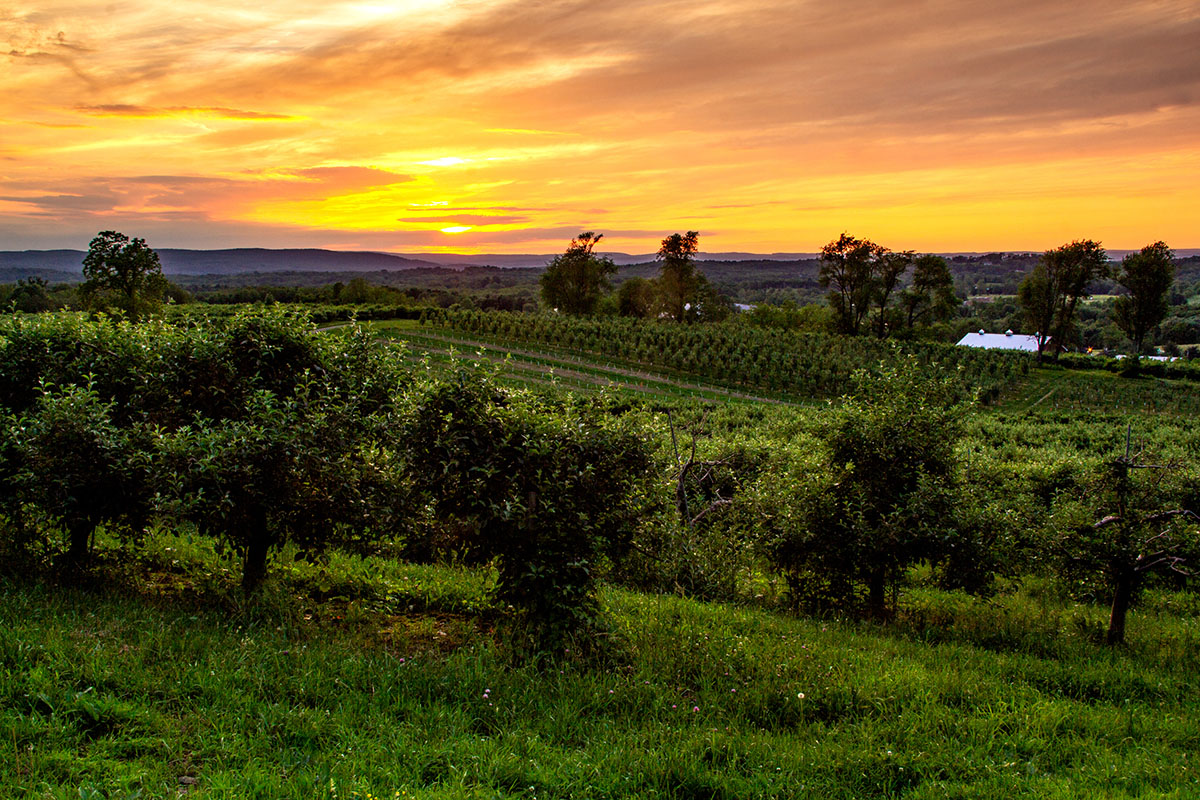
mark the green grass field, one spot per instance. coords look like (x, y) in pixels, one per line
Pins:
(367, 677)
(372, 679)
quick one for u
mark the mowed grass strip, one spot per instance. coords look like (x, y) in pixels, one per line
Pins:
(342, 682)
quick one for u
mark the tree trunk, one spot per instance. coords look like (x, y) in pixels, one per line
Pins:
(876, 596)
(1122, 596)
(78, 548)
(254, 567)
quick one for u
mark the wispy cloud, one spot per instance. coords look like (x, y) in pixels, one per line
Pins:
(465, 219)
(126, 110)
(774, 119)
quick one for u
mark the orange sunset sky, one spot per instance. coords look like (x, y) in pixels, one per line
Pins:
(493, 126)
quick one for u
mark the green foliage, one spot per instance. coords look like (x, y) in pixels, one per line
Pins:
(702, 528)
(930, 296)
(575, 281)
(849, 268)
(290, 470)
(295, 459)
(636, 298)
(790, 362)
(264, 427)
(551, 493)
(127, 269)
(79, 469)
(678, 280)
(684, 293)
(811, 318)
(31, 295)
(1147, 275)
(886, 496)
(1050, 293)
(1131, 519)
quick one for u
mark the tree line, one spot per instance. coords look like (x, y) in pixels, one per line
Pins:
(872, 289)
(576, 282)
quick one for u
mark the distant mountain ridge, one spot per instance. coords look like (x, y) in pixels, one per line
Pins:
(258, 259)
(225, 262)
(525, 260)
(66, 265)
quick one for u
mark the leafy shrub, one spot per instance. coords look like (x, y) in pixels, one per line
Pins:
(884, 499)
(288, 471)
(80, 469)
(551, 493)
(703, 523)
(1132, 519)
(266, 427)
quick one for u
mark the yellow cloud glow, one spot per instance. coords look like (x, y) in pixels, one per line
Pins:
(765, 124)
(446, 161)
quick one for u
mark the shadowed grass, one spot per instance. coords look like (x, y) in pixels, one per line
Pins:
(362, 677)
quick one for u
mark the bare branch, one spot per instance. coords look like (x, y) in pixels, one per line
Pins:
(720, 502)
(1173, 563)
(674, 444)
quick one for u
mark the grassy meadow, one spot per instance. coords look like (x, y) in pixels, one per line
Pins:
(150, 675)
(368, 679)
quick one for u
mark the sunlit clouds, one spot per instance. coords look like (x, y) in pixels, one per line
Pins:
(511, 126)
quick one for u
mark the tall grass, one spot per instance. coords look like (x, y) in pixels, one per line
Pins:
(364, 677)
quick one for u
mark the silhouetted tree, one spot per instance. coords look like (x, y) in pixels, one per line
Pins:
(678, 280)
(1051, 291)
(848, 269)
(888, 271)
(930, 297)
(575, 281)
(127, 268)
(1147, 275)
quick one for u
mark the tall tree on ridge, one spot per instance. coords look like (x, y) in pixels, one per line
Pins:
(848, 269)
(678, 281)
(1147, 275)
(575, 281)
(1052, 290)
(126, 267)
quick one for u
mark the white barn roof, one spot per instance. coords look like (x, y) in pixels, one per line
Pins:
(1000, 341)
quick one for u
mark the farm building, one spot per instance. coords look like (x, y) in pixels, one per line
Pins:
(1000, 341)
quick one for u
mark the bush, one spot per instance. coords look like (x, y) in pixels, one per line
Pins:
(257, 428)
(885, 496)
(290, 471)
(79, 469)
(550, 493)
